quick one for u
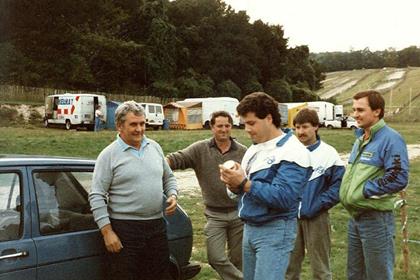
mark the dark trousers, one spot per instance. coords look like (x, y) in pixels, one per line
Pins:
(145, 253)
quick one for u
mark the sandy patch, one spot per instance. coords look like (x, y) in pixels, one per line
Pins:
(397, 75)
(339, 89)
(386, 85)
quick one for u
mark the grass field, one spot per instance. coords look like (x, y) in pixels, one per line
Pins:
(36, 140)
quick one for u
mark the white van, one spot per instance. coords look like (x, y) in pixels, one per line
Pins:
(154, 114)
(73, 110)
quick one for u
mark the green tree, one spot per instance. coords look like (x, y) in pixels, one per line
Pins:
(280, 90)
(228, 89)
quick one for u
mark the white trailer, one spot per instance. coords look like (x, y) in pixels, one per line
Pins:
(213, 104)
(73, 110)
(326, 111)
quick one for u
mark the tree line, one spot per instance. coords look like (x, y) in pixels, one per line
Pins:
(340, 61)
(183, 48)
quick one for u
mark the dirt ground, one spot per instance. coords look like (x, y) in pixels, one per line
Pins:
(188, 183)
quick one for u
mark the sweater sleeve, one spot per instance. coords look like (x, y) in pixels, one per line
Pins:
(285, 189)
(396, 171)
(185, 158)
(102, 177)
(168, 177)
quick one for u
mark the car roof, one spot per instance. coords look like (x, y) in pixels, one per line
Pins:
(23, 160)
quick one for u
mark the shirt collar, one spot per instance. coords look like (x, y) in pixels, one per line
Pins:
(124, 146)
(233, 146)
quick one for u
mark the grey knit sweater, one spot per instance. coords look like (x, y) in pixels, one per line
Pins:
(204, 157)
(134, 184)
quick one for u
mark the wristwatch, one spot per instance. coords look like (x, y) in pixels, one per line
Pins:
(242, 184)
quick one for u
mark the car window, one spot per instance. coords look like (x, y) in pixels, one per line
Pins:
(10, 207)
(151, 109)
(158, 109)
(62, 199)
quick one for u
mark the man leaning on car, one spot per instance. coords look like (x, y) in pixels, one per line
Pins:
(126, 199)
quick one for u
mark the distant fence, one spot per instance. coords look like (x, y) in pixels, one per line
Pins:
(32, 95)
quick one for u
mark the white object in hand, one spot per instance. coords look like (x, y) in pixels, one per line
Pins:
(231, 195)
(229, 164)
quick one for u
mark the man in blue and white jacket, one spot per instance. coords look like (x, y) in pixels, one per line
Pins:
(320, 194)
(270, 182)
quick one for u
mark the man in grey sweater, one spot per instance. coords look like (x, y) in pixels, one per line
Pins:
(130, 177)
(223, 224)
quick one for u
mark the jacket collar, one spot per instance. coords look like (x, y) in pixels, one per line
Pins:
(288, 133)
(314, 145)
(373, 130)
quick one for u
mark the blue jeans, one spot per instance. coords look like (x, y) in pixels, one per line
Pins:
(371, 246)
(97, 124)
(266, 249)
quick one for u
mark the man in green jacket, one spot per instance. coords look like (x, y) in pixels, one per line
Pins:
(377, 170)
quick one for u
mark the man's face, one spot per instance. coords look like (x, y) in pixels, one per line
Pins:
(132, 129)
(221, 129)
(258, 129)
(363, 114)
(306, 133)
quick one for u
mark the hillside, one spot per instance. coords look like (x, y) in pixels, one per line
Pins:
(399, 86)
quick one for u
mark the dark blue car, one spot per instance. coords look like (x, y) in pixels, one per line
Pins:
(47, 229)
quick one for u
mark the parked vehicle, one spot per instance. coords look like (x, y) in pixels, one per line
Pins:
(47, 229)
(346, 122)
(326, 111)
(288, 112)
(154, 114)
(213, 104)
(73, 110)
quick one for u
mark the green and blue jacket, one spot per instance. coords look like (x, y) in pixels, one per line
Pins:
(377, 170)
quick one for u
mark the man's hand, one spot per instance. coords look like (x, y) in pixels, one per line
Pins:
(112, 242)
(171, 201)
(233, 177)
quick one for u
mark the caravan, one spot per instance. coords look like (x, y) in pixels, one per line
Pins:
(73, 110)
(213, 104)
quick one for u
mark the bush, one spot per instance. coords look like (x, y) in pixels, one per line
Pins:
(9, 116)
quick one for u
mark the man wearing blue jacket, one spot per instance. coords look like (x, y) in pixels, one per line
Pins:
(377, 171)
(270, 182)
(320, 194)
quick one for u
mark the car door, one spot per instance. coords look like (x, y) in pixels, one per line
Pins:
(17, 250)
(67, 239)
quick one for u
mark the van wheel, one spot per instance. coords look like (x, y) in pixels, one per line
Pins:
(68, 125)
(207, 125)
(329, 126)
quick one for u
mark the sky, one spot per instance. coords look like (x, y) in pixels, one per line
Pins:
(340, 25)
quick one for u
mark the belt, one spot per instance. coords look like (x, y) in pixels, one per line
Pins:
(222, 209)
(370, 213)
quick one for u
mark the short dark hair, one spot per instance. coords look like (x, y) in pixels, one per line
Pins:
(217, 114)
(375, 99)
(262, 105)
(306, 115)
